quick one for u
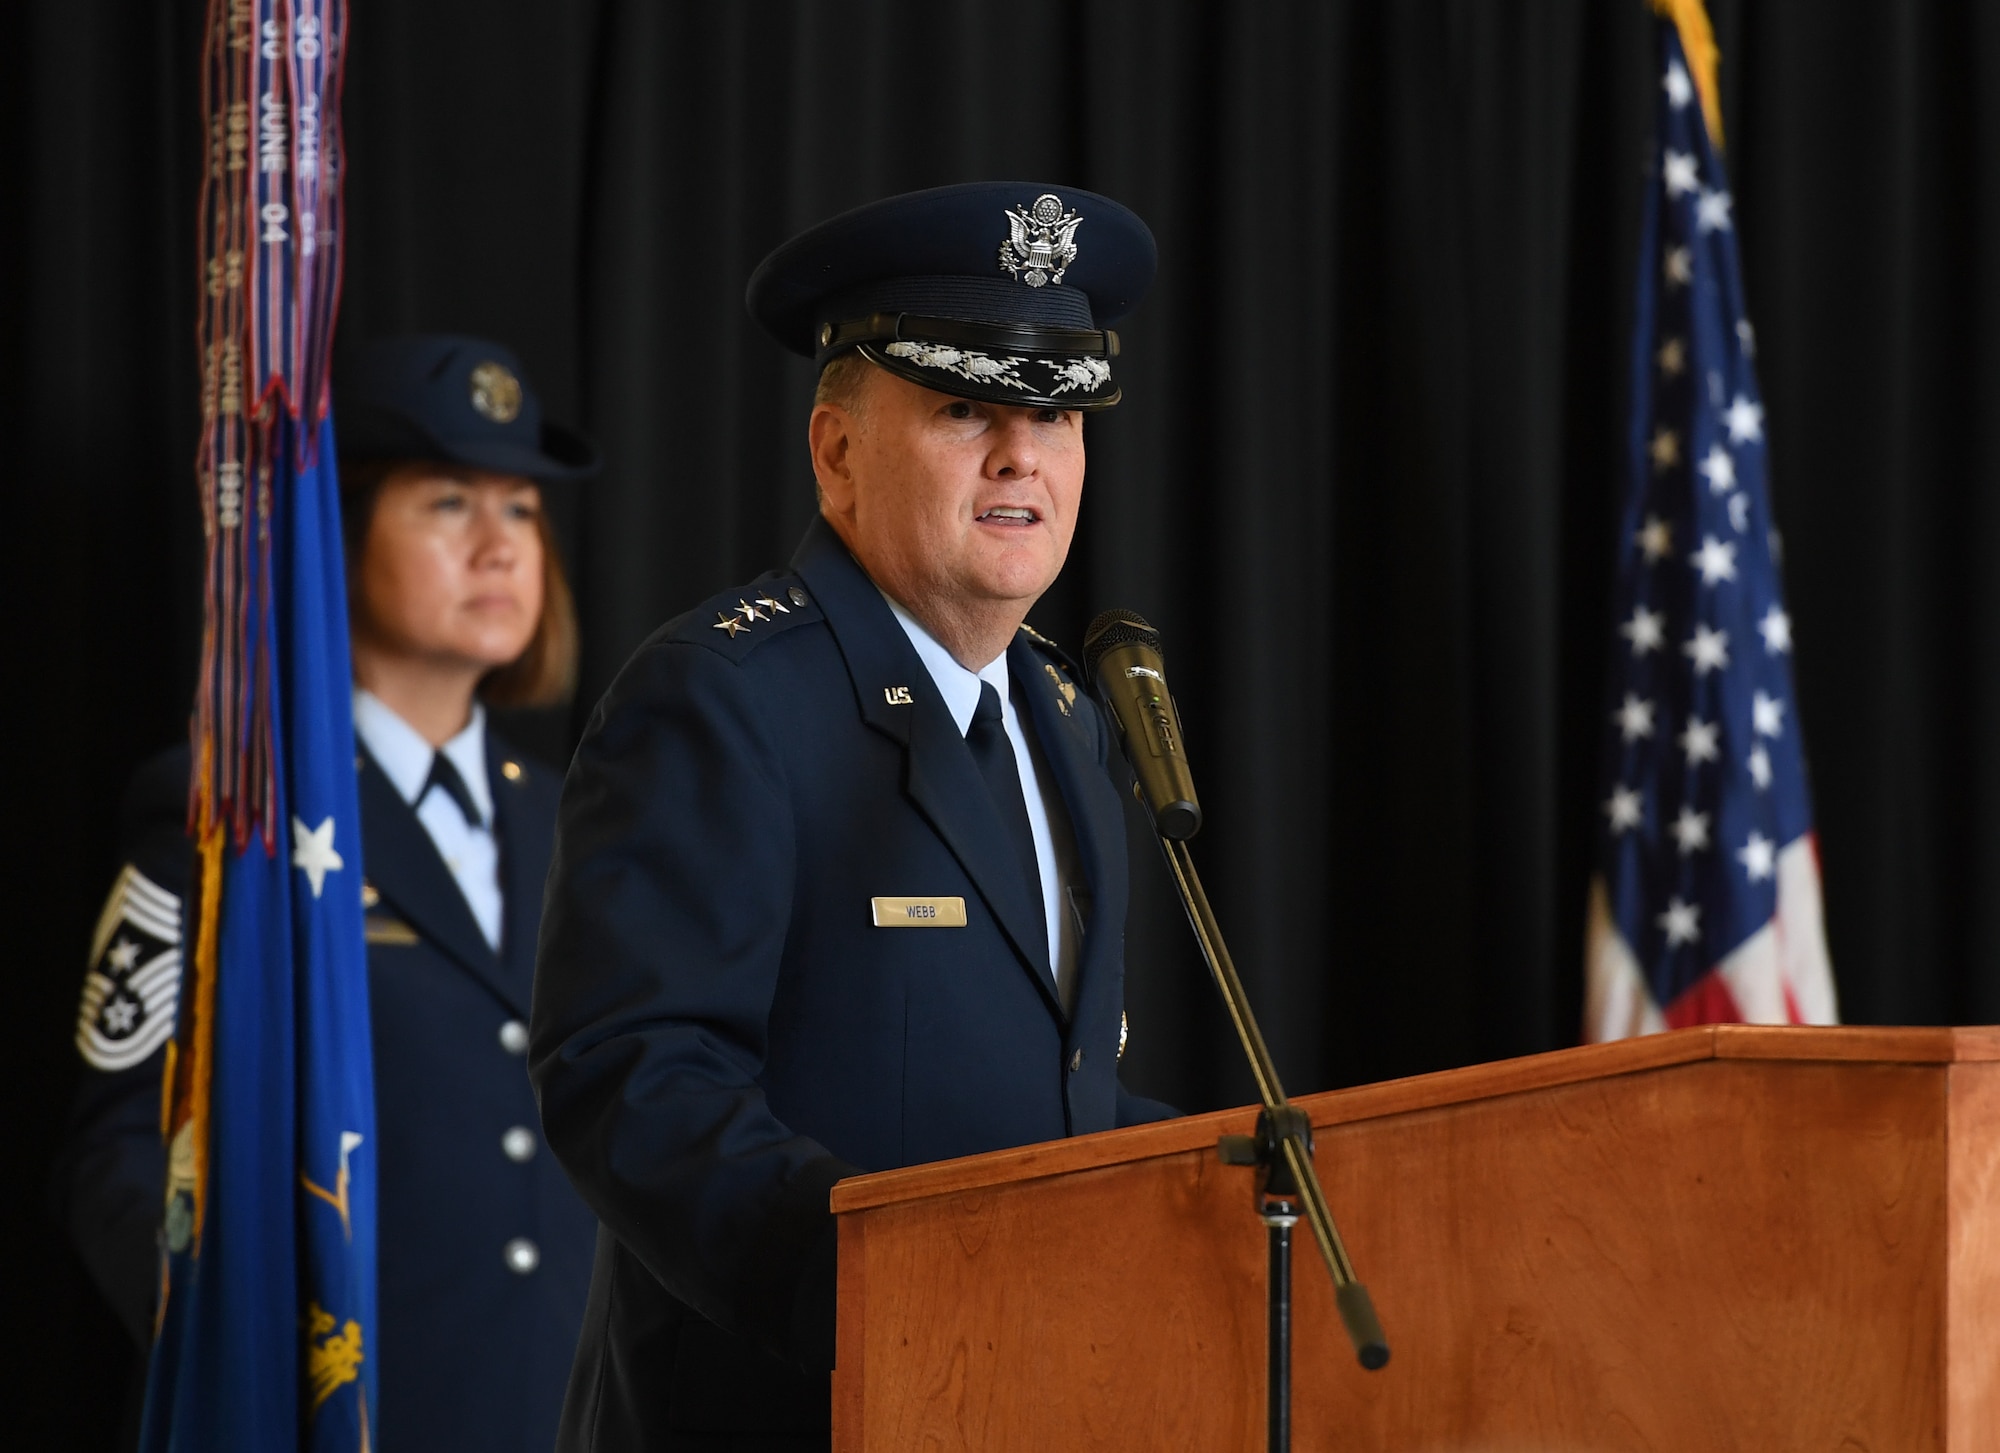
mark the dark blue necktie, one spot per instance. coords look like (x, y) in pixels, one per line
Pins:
(987, 737)
(444, 775)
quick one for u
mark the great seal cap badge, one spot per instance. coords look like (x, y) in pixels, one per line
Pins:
(1041, 241)
(496, 393)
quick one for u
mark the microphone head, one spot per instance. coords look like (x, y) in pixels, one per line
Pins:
(1114, 628)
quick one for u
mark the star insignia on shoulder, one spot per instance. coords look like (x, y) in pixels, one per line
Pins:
(772, 605)
(751, 615)
(728, 623)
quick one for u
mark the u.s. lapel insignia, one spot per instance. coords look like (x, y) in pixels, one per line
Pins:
(897, 696)
(1065, 690)
(1041, 240)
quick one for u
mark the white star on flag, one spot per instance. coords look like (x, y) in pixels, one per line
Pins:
(1759, 857)
(1767, 715)
(1747, 336)
(1656, 538)
(1681, 922)
(312, 852)
(1623, 809)
(1718, 467)
(1709, 650)
(1678, 266)
(1760, 767)
(1711, 212)
(1679, 89)
(124, 954)
(1739, 512)
(1672, 357)
(1700, 742)
(1634, 718)
(1690, 830)
(1680, 174)
(1745, 421)
(1716, 560)
(1776, 628)
(1646, 630)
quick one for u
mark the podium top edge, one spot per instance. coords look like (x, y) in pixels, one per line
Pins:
(1854, 1045)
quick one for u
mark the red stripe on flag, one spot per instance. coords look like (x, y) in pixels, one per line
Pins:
(1706, 1001)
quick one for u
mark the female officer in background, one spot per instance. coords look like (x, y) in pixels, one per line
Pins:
(456, 600)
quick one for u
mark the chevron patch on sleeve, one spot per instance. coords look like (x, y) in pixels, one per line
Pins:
(133, 986)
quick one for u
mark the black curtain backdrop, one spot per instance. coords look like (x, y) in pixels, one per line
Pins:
(1365, 479)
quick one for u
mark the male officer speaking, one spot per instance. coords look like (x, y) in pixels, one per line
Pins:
(840, 878)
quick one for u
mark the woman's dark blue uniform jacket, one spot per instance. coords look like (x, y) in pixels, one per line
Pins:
(721, 1030)
(473, 1353)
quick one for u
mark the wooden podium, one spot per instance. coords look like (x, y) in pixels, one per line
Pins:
(1718, 1238)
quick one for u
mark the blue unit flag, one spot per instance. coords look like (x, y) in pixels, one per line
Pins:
(265, 1338)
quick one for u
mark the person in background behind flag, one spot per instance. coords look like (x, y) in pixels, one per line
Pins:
(457, 597)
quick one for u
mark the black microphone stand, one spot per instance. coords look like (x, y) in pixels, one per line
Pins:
(1287, 1184)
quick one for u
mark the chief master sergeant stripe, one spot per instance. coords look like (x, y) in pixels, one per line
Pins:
(132, 988)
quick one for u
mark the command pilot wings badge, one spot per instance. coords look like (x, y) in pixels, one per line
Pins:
(1041, 241)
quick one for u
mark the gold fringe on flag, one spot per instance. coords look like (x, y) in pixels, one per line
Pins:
(1690, 18)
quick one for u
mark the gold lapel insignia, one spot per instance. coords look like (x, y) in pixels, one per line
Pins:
(381, 928)
(898, 696)
(1065, 689)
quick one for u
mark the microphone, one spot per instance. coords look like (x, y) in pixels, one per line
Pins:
(1121, 654)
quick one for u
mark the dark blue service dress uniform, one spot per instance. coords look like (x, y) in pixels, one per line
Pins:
(484, 1247)
(721, 1028)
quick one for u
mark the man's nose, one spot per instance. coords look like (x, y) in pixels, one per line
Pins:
(1014, 453)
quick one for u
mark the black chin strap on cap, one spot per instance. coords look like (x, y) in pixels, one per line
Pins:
(957, 332)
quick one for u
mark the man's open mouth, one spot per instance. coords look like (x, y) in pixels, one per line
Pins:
(1010, 515)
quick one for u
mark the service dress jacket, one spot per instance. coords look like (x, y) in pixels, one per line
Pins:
(722, 1029)
(483, 1248)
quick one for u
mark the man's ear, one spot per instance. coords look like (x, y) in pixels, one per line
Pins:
(830, 435)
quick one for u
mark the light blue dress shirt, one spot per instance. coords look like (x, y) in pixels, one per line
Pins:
(1048, 819)
(471, 853)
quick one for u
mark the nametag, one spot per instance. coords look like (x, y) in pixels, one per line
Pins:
(380, 928)
(918, 912)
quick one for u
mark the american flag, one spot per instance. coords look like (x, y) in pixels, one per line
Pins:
(1706, 906)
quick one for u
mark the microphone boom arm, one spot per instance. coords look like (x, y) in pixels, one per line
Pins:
(1288, 1128)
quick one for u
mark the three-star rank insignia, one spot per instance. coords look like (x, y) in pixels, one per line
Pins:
(749, 612)
(1065, 688)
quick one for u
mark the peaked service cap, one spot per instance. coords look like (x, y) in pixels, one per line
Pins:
(998, 291)
(454, 399)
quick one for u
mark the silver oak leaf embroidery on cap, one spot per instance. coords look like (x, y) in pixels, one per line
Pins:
(965, 362)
